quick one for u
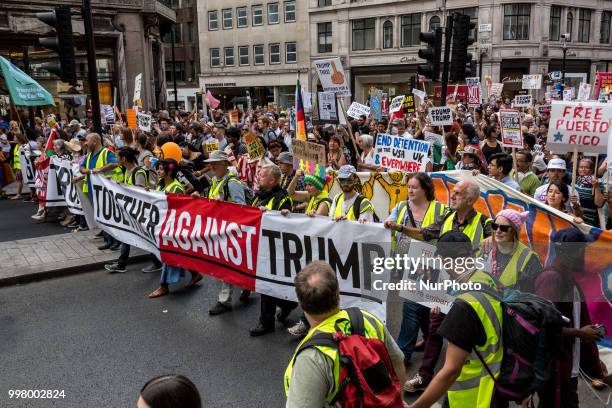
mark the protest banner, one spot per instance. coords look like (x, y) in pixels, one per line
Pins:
(400, 153)
(107, 112)
(211, 145)
(131, 215)
(584, 125)
(332, 77)
(433, 138)
(376, 105)
(356, 110)
(496, 89)
(473, 96)
(144, 121)
(131, 119)
(419, 94)
(532, 81)
(396, 104)
(584, 91)
(603, 86)
(26, 161)
(523, 101)
(510, 121)
(137, 87)
(255, 148)
(441, 116)
(309, 152)
(328, 107)
(409, 105)
(61, 192)
(454, 93)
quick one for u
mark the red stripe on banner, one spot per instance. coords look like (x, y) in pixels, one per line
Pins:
(212, 237)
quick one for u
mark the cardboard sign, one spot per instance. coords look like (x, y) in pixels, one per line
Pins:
(137, 86)
(400, 153)
(307, 100)
(409, 105)
(396, 104)
(419, 94)
(332, 77)
(234, 117)
(532, 81)
(441, 116)
(255, 148)
(211, 146)
(328, 107)
(584, 91)
(131, 119)
(585, 125)
(144, 121)
(433, 138)
(309, 152)
(473, 96)
(496, 89)
(523, 101)
(510, 120)
(107, 114)
(356, 110)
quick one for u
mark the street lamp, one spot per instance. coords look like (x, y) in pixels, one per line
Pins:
(565, 37)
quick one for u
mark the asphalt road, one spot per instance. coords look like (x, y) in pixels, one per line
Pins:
(15, 222)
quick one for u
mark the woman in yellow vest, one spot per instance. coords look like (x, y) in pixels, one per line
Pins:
(317, 199)
(419, 211)
(511, 261)
(167, 170)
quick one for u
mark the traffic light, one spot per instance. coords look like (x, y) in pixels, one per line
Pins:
(460, 62)
(431, 54)
(62, 43)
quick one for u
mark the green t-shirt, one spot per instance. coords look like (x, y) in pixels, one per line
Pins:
(529, 183)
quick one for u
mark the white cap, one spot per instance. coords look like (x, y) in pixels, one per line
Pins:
(557, 164)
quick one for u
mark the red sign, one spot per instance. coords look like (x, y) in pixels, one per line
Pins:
(462, 92)
(218, 238)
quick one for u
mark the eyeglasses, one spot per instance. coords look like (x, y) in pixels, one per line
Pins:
(502, 228)
(345, 181)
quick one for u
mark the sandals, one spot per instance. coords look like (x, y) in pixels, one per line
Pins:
(159, 292)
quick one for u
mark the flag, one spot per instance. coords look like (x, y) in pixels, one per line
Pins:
(300, 129)
(24, 91)
(211, 100)
(49, 151)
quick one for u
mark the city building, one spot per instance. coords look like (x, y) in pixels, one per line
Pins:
(253, 46)
(378, 40)
(186, 55)
(128, 42)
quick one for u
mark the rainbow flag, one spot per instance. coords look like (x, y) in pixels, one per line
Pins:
(300, 128)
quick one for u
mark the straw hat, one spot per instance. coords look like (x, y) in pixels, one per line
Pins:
(73, 145)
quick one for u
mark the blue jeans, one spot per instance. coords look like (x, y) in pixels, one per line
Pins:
(124, 256)
(414, 316)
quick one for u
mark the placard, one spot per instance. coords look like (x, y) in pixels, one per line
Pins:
(433, 138)
(409, 105)
(512, 135)
(131, 119)
(137, 86)
(604, 86)
(523, 101)
(496, 89)
(396, 104)
(473, 96)
(309, 152)
(441, 116)
(356, 110)
(532, 81)
(332, 77)
(107, 113)
(328, 107)
(144, 121)
(584, 91)
(567, 94)
(255, 148)
(400, 153)
(211, 146)
(585, 125)
(419, 94)
(376, 104)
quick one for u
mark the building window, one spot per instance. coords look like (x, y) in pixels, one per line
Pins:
(213, 21)
(290, 11)
(604, 33)
(258, 54)
(241, 17)
(324, 3)
(179, 71)
(229, 56)
(290, 53)
(187, 3)
(273, 13)
(275, 54)
(411, 28)
(192, 71)
(388, 34)
(243, 55)
(434, 23)
(257, 12)
(473, 13)
(176, 29)
(215, 57)
(584, 25)
(227, 19)
(570, 25)
(364, 32)
(516, 21)
(189, 32)
(325, 37)
(555, 23)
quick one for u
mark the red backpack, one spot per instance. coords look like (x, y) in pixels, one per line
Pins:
(367, 378)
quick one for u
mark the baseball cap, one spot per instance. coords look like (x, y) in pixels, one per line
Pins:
(557, 164)
(216, 157)
(74, 122)
(3, 138)
(285, 157)
(346, 172)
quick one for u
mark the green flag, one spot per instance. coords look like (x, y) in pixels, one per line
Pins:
(24, 90)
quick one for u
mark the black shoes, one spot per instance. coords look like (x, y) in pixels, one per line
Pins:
(218, 309)
(105, 246)
(260, 330)
(244, 296)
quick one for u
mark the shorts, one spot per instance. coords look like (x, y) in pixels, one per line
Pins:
(18, 175)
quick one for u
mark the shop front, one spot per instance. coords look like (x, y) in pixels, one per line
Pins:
(392, 80)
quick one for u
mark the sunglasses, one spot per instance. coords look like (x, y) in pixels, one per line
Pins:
(502, 228)
(345, 181)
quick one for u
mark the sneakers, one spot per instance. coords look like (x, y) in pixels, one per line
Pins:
(415, 384)
(151, 269)
(116, 246)
(114, 268)
(67, 220)
(104, 247)
(218, 309)
(298, 330)
(260, 330)
(244, 296)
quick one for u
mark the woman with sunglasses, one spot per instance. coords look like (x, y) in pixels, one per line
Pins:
(511, 261)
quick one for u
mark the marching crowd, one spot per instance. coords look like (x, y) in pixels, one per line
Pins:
(205, 155)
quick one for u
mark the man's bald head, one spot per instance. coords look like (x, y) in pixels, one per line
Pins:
(465, 194)
(317, 288)
(93, 141)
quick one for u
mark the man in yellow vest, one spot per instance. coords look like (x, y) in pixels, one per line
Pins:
(463, 218)
(473, 329)
(349, 204)
(312, 376)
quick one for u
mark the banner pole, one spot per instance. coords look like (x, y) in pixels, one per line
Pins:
(595, 170)
(516, 177)
(348, 123)
(574, 168)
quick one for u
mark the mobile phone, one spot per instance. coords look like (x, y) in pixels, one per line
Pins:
(601, 329)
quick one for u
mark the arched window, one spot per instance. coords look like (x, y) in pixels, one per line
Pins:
(434, 23)
(570, 25)
(388, 34)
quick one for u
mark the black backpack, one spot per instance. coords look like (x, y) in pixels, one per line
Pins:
(357, 208)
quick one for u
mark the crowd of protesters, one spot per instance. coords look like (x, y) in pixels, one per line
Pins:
(205, 154)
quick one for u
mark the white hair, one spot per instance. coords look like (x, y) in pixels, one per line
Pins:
(367, 140)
